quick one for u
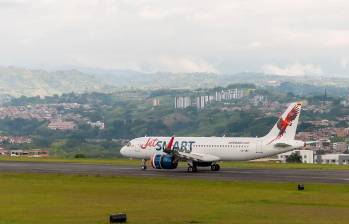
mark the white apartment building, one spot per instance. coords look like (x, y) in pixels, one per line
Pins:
(307, 156)
(338, 159)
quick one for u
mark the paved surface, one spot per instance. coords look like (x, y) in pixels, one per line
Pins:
(283, 175)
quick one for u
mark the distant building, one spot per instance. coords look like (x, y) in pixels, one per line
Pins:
(200, 102)
(70, 106)
(306, 136)
(230, 94)
(4, 152)
(218, 96)
(156, 102)
(182, 102)
(338, 159)
(61, 125)
(339, 146)
(15, 139)
(18, 153)
(38, 153)
(29, 153)
(236, 93)
(345, 102)
(307, 156)
(341, 132)
(258, 99)
(98, 124)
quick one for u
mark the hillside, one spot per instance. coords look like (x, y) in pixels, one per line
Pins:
(19, 81)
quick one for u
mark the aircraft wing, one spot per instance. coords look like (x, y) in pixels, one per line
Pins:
(198, 157)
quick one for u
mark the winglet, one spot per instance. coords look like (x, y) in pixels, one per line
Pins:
(169, 146)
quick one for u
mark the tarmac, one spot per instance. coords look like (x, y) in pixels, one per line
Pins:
(231, 174)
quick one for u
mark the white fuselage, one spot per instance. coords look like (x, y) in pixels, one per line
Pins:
(224, 148)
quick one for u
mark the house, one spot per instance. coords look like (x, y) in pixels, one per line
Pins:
(38, 153)
(29, 153)
(4, 152)
(61, 125)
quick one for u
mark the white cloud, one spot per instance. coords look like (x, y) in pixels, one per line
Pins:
(344, 62)
(199, 35)
(337, 38)
(184, 64)
(296, 69)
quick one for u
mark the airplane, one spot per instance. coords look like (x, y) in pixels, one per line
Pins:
(166, 152)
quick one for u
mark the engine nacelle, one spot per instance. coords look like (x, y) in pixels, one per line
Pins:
(164, 161)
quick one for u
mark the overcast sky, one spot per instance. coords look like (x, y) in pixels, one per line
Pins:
(286, 37)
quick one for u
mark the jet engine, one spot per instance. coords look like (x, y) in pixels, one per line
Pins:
(164, 161)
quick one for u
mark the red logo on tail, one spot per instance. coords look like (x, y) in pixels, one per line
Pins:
(284, 123)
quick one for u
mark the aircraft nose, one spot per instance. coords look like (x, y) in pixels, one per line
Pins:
(123, 151)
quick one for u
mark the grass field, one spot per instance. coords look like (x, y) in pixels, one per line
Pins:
(268, 165)
(48, 198)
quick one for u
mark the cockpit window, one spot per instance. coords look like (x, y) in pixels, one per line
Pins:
(129, 144)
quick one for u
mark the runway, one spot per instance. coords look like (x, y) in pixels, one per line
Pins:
(267, 175)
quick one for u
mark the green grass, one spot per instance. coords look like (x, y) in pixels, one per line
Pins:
(120, 161)
(51, 198)
(274, 165)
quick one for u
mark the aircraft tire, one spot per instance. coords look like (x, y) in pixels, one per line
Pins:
(192, 169)
(215, 167)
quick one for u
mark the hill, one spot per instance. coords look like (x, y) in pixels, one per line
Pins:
(19, 81)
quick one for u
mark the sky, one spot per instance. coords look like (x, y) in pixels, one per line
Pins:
(283, 37)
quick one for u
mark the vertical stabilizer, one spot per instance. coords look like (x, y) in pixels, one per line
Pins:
(285, 128)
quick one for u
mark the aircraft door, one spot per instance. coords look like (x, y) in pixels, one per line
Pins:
(259, 147)
(137, 149)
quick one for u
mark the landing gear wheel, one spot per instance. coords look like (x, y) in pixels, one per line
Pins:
(215, 167)
(218, 167)
(143, 167)
(192, 169)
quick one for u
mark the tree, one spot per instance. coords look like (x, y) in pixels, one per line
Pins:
(294, 158)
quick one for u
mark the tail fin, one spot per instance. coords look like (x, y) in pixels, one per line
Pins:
(286, 126)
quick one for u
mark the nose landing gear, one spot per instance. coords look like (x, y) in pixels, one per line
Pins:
(144, 164)
(192, 168)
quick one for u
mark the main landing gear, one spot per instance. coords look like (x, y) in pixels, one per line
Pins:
(192, 168)
(215, 167)
(144, 164)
